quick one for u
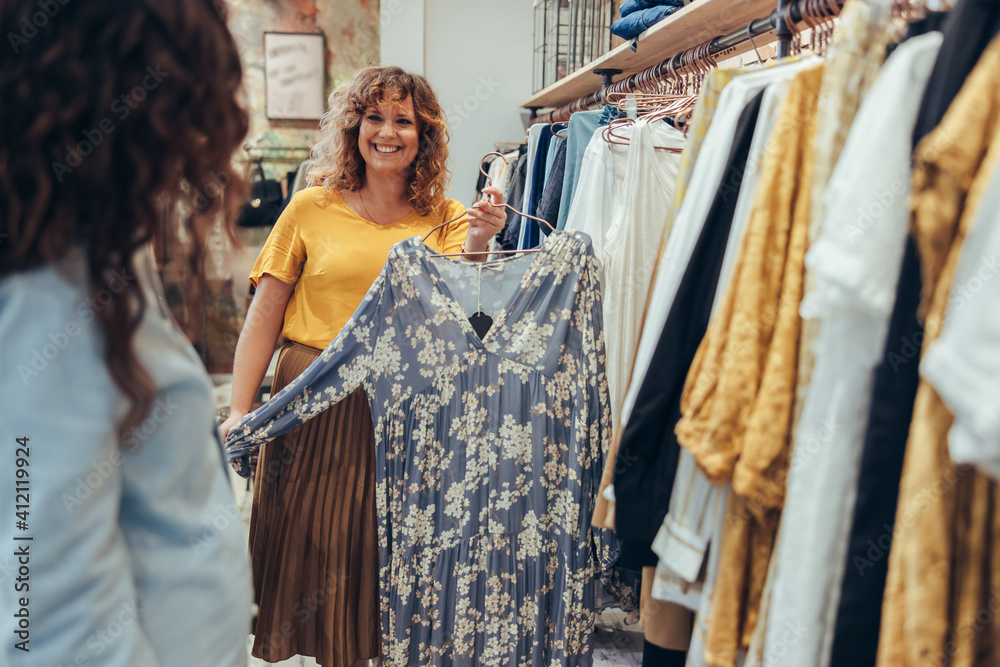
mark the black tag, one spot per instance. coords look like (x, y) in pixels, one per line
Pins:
(481, 323)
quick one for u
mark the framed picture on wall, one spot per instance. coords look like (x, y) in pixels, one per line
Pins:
(295, 75)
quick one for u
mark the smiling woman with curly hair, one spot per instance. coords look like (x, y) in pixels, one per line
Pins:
(340, 164)
(112, 115)
(379, 177)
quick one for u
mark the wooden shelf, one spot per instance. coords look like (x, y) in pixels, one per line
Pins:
(695, 24)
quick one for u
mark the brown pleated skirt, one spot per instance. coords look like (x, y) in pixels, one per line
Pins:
(313, 539)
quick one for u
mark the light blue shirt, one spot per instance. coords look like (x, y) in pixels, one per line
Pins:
(138, 557)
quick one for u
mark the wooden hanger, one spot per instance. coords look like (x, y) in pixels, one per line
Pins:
(504, 205)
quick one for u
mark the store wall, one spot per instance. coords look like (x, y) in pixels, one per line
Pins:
(477, 55)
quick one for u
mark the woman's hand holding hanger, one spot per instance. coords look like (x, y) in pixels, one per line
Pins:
(486, 219)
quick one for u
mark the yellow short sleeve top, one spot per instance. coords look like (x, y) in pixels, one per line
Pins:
(332, 256)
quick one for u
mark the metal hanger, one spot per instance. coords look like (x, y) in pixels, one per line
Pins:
(489, 182)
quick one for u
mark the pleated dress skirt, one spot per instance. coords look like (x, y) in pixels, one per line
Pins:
(313, 538)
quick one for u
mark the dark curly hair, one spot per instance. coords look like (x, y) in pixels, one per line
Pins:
(338, 164)
(113, 114)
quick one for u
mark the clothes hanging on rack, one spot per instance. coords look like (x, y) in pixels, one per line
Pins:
(855, 262)
(527, 229)
(626, 218)
(736, 413)
(681, 543)
(548, 203)
(969, 28)
(640, 522)
(506, 239)
(697, 504)
(580, 130)
(809, 268)
(475, 485)
(950, 529)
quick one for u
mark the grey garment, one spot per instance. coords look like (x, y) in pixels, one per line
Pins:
(507, 237)
(301, 176)
(582, 125)
(489, 450)
(548, 205)
(139, 532)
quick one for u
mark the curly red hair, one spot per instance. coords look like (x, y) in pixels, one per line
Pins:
(113, 113)
(338, 164)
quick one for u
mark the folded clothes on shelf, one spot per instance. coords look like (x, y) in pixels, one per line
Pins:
(631, 26)
(633, 6)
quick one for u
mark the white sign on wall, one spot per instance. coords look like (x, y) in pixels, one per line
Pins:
(294, 75)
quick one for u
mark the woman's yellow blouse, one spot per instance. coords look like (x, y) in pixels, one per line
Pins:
(332, 256)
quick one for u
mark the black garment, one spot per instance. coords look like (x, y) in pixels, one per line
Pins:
(648, 453)
(968, 30)
(507, 237)
(860, 608)
(548, 205)
(481, 177)
(654, 656)
(290, 180)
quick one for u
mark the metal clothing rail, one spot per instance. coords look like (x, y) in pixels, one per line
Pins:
(250, 147)
(781, 22)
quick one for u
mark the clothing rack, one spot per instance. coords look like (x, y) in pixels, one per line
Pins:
(507, 146)
(781, 21)
(291, 153)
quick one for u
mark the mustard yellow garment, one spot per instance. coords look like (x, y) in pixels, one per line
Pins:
(332, 256)
(738, 397)
(941, 562)
(743, 374)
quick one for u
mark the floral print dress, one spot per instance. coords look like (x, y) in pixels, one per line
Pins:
(489, 450)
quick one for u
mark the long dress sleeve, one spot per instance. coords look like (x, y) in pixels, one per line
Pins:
(342, 367)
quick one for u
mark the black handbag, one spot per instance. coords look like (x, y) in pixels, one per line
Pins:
(265, 203)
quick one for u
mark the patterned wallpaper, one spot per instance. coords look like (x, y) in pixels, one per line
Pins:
(352, 42)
